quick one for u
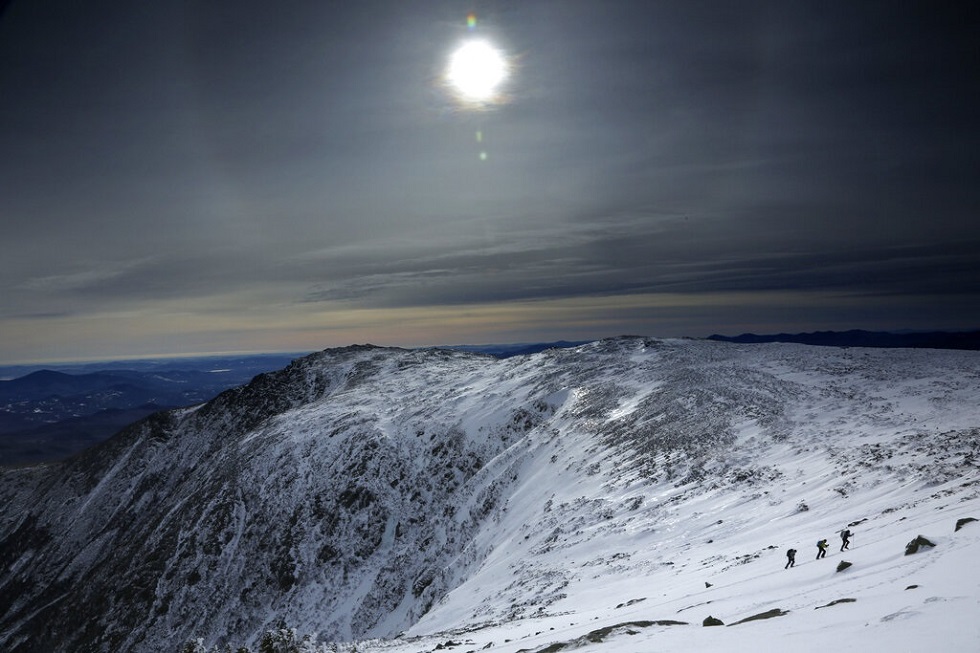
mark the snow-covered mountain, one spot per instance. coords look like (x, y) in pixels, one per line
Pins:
(609, 497)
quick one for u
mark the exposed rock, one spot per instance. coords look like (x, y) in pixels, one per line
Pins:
(911, 587)
(551, 648)
(842, 565)
(913, 546)
(711, 621)
(600, 635)
(835, 602)
(769, 614)
(688, 607)
(960, 523)
(627, 627)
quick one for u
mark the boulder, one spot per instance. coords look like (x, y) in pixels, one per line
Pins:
(914, 545)
(711, 621)
(960, 523)
(842, 565)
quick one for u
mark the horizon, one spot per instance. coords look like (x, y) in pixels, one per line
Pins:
(305, 352)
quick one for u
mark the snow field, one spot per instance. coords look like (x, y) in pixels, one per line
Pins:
(735, 537)
(571, 499)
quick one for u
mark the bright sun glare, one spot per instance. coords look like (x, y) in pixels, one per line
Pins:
(476, 70)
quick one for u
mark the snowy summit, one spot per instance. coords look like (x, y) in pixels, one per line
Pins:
(615, 496)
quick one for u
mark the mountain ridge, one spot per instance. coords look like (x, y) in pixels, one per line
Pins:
(366, 491)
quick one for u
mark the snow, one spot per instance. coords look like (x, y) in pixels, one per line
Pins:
(735, 538)
(572, 499)
(884, 615)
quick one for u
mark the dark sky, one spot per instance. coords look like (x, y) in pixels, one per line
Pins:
(187, 177)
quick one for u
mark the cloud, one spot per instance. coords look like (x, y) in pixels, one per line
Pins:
(251, 167)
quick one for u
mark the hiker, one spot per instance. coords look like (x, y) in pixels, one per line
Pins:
(821, 549)
(790, 559)
(845, 538)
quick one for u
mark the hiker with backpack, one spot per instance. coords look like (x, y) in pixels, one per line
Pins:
(845, 536)
(821, 549)
(790, 559)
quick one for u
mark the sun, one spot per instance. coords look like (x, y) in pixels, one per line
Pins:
(476, 71)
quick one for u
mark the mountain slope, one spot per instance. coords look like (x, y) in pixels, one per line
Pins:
(363, 492)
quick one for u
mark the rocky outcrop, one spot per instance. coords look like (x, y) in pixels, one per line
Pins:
(768, 614)
(960, 523)
(916, 544)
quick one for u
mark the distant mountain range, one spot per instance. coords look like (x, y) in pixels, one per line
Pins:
(857, 338)
(49, 414)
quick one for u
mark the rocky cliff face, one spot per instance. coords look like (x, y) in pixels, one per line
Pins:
(351, 492)
(333, 493)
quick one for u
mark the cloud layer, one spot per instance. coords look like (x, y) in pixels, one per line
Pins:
(251, 176)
